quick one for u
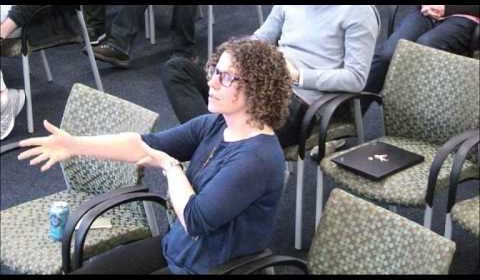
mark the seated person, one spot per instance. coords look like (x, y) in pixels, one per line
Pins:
(226, 201)
(11, 103)
(327, 48)
(445, 27)
(114, 45)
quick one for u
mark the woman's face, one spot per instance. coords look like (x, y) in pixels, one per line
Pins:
(225, 96)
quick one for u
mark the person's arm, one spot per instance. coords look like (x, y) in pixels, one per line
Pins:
(271, 29)
(238, 183)
(60, 146)
(360, 38)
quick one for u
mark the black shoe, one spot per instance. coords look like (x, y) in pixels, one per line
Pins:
(107, 53)
(96, 40)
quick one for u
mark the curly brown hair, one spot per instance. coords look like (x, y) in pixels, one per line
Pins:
(264, 77)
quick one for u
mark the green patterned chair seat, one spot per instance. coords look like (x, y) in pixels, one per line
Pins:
(335, 130)
(358, 237)
(406, 188)
(467, 214)
(25, 245)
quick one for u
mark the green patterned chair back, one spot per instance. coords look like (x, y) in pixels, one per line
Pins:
(355, 236)
(92, 112)
(430, 94)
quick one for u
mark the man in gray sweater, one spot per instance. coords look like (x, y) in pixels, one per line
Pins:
(327, 48)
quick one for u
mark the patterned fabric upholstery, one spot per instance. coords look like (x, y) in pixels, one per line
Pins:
(26, 247)
(24, 228)
(112, 115)
(357, 237)
(430, 94)
(467, 214)
(408, 187)
(336, 130)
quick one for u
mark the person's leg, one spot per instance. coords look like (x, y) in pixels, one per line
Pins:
(454, 34)
(95, 19)
(411, 28)
(125, 27)
(116, 47)
(183, 30)
(186, 86)
(11, 103)
(289, 132)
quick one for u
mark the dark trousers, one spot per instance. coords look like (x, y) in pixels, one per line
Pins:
(126, 22)
(452, 34)
(186, 86)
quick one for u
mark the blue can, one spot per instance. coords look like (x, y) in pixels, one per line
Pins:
(57, 215)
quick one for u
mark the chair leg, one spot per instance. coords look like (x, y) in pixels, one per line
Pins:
(260, 15)
(287, 176)
(28, 92)
(319, 199)
(427, 217)
(147, 24)
(152, 24)
(151, 218)
(88, 47)
(46, 66)
(448, 227)
(299, 205)
(210, 30)
(358, 120)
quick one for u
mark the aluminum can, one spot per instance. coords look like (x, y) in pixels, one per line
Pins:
(57, 216)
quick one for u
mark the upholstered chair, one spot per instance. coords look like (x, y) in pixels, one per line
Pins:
(25, 246)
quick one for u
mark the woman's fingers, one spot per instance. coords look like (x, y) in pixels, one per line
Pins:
(47, 165)
(50, 127)
(144, 161)
(35, 141)
(30, 153)
(39, 159)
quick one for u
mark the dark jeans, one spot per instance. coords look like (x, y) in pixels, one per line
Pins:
(452, 34)
(125, 25)
(186, 86)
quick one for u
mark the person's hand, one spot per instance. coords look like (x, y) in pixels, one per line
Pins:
(54, 148)
(154, 158)
(293, 71)
(435, 12)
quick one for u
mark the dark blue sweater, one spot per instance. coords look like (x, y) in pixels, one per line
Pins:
(237, 185)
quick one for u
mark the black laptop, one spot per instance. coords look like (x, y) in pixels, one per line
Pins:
(377, 160)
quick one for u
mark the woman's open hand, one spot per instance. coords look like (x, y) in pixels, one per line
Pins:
(154, 158)
(54, 148)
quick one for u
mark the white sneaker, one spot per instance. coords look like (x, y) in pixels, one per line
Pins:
(330, 147)
(13, 106)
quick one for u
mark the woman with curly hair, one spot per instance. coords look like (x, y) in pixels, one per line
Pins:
(226, 201)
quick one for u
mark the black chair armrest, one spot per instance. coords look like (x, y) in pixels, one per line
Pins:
(98, 210)
(269, 261)
(76, 216)
(440, 157)
(239, 262)
(309, 118)
(328, 111)
(458, 161)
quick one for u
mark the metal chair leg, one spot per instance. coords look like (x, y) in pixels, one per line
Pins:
(260, 15)
(210, 30)
(28, 92)
(147, 24)
(89, 49)
(151, 14)
(319, 198)
(46, 66)
(299, 205)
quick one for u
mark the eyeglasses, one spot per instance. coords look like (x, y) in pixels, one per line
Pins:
(226, 79)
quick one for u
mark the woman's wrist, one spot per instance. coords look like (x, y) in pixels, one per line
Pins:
(171, 164)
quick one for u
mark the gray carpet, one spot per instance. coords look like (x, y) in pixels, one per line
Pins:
(141, 84)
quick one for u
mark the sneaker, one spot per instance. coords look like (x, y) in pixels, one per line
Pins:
(96, 40)
(105, 52)
(330, 147)
(13, 106)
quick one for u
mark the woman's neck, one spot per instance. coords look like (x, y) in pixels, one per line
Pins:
(238, 128)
